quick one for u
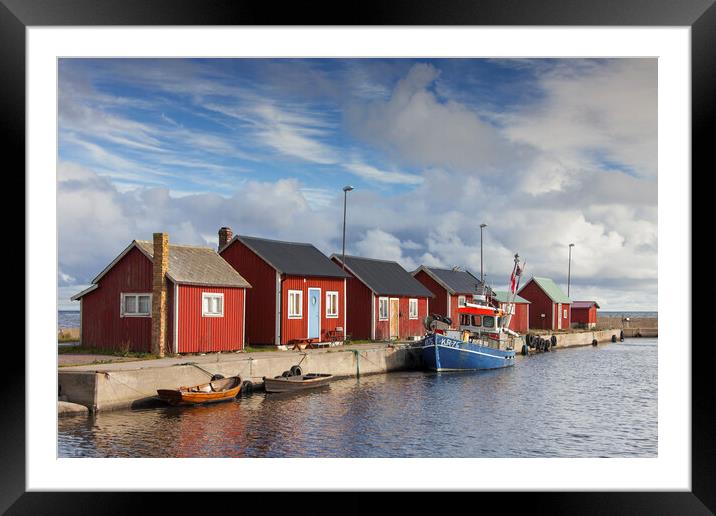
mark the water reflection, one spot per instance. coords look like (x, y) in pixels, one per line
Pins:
(585, 402)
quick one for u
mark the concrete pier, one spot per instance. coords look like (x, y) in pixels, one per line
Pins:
(585, 338)
(134, 384)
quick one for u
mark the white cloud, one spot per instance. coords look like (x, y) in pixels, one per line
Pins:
(418, 129)
(377, 243)
(604, 111)
(373, 174)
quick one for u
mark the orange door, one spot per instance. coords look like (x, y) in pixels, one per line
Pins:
(394, 317)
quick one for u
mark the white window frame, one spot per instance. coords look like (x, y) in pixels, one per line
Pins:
(329, 294)
(298, 315)
(387, 308)
(413, 302)
(208, 295)
(461, 301)
(124, 295)
(565, 314)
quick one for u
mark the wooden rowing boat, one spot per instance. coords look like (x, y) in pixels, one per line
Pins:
(296, 383)
(217, 390)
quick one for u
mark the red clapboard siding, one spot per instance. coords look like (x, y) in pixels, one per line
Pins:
(519, 321)
(438, 304)
(360, 298)
(292, 329)
(102, 326)
(382, 328)
(406, 327)
(200, 334)
(584, 315)
(412, 327)
(540, 304)
(261, 298)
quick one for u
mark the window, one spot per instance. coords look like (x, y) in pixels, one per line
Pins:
(136, 305)
(383, 308)
(295, 304)
(460, 300)
(212, 305)
(565, 314)
(332, 305)
(477, 320)
(464, 320)
(488, 321)
(412, 308)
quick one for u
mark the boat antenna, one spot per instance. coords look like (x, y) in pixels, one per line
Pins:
(515, 279)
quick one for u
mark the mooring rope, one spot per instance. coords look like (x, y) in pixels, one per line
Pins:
(111, 377)
(195, 365)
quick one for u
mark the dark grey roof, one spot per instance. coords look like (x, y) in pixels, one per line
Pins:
(385, 277)
(293, 258)
(197, 266)
(456, 281)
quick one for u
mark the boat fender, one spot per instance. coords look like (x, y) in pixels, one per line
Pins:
(217, 377)
(524, 350)
(594, 342)
(621, 336)
(286, 374)
(553, 340)
(247, 388)
(296, 371)
(614, 338)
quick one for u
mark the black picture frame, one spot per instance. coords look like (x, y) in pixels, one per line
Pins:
(17, 15)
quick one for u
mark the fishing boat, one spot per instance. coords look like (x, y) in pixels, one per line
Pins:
(296, 383)
(481, 340)
(223, 389)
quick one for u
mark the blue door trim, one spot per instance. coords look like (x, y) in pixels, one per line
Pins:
(314, 314)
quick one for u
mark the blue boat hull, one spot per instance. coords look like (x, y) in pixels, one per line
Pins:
(441, 353)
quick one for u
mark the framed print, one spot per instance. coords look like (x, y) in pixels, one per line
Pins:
(447, 230)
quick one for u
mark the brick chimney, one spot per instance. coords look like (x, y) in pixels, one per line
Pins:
(225, 235)
(159, 293)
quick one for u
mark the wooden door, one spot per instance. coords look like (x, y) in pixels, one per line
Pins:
(394, 317)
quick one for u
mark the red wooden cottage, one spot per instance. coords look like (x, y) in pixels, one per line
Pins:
(163, 298)
(550, 307)
(584, 314)
(298, 293)
(452, 288)
(520, 320)
(384, 301)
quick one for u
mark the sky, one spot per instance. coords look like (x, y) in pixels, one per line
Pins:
(546, 152)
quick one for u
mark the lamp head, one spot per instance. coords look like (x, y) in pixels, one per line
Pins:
(347, 188)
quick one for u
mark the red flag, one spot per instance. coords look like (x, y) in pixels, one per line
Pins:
(513, 281)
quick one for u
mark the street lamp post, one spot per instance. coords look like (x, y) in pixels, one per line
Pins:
(482, 276)
(569, 267)
(346, 189)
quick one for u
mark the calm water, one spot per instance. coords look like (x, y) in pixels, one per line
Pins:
(68, 319)
(581, 402)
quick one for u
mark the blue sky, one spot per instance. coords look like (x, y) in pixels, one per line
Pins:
(546, 152)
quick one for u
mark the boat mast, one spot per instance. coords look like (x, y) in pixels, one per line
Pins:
(517, 274)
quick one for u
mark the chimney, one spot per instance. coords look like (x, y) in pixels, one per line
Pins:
(159, 293)
(225, 235)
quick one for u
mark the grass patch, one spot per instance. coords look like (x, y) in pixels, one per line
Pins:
(80, 350)
(252, 349)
